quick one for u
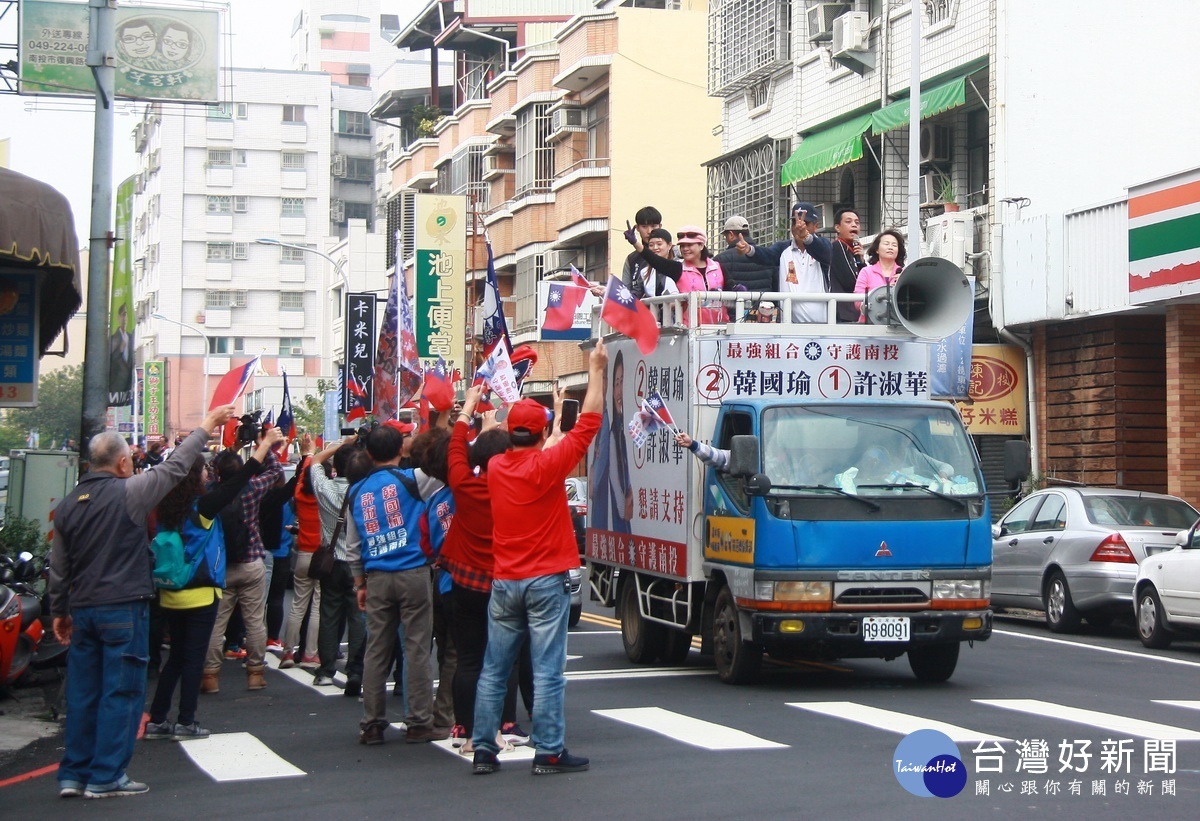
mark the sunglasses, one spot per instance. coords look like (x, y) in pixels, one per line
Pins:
(689, 235)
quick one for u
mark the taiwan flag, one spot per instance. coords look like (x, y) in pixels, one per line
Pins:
(232, 384)
(658, 409)
(629, 316)
(579, 279)
(438, 390)
(561, 304)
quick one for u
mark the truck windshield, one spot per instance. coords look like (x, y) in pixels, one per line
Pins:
(869, 450)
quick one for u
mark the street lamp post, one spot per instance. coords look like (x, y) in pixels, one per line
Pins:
(194, 329)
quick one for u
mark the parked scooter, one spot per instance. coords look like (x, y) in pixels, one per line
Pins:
(26, 639)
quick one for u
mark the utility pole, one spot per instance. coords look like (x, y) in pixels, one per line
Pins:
(101, 58)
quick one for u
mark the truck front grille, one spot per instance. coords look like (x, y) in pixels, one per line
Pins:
(870, 596)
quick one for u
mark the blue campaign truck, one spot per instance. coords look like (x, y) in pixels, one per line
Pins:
(851, 519)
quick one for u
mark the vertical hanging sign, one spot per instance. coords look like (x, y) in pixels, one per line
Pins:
(441, 245)
(153, 398)
(358, 385)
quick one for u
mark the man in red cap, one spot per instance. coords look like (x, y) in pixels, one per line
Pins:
(534, 549)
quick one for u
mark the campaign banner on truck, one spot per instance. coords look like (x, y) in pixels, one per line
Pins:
(638, 514)
(813, 368)
(161, 54)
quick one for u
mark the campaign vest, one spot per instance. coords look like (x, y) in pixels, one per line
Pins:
(387, 513)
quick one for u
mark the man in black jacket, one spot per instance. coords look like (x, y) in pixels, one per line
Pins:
(846, 259)
(100, 588)
(739, 269)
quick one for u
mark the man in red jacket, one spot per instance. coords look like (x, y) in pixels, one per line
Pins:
(534, 547)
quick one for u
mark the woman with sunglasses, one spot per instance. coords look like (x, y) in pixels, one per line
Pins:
(701, 273)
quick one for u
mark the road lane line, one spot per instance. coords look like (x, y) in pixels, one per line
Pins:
(1094, 718)
(692, 731)
(902, 723)
(1187, 705)
(1085, 646)
(660, 672)
(237, 757)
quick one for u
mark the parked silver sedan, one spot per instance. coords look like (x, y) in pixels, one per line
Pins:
(1074, 551)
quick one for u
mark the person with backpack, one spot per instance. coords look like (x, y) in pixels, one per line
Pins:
(245, 575)
(191, 516)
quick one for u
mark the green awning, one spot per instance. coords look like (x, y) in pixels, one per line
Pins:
(823, 150)
(933, 102)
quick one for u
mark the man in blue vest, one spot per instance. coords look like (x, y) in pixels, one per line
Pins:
(393, 582)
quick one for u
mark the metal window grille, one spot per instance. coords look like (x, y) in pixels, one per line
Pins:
(220, 205)
(937, 11)
(401, 216)
(529, 272)
(292, 160)
(219, 251)
(220, 158)
(292, 207)
(747, 184)
(291, 300)
(463, 175)
(749, 39)
(241, 204)
(291, 255)
(759, 94)
(477, 72)
(535, 154)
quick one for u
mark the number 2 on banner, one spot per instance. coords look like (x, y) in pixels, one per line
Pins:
(712, 382)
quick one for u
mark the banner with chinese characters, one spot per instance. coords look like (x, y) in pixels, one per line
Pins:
(440, 276)
(120, 313)
(358, 352)
(155, 380)
(805, 368)
(161, 54)
(18, 340)
(998, 403)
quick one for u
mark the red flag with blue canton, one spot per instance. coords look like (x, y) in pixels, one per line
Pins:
(561, 303)
(233, 384)
(357, 397)
(628, 315)
(438, 389)
(656, 406)
(579, 279)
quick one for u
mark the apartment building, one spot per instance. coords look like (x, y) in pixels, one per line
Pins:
(559, 128)
(212, 182)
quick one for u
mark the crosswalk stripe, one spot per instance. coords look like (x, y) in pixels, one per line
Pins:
(891, 721)
(1105, 721)
(648, 672)
(237, 757)
(1186, 704)
(693, 731)
(522, 753)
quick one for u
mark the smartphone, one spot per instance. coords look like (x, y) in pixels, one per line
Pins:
(349, 431)
(570, 414)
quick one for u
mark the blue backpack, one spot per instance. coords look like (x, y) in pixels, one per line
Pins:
(193, 556)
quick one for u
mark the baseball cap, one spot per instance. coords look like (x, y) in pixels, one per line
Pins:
(736, 223)
(404, 427)
(528, 416)
(692, 233)
(811, 212)
(766, 307)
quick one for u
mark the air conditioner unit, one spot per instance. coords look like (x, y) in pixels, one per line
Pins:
(139, 183)
(295, 351)
(851, 32)
(951, 236)
(139, 137)
(337, 211)
(492, 167)
(339, 165)
(928, 186)
(820, 20)
(566, 119)
(936, 143)
(155, 161)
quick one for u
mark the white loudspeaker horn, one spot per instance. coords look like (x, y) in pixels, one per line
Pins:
(931, 299)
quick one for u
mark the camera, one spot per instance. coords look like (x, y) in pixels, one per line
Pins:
(248, 430)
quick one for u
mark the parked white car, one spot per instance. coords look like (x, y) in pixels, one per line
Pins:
(1166, 595)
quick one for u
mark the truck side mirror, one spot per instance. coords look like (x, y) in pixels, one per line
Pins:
(1016, 461)
(758, 485)
(743, 455)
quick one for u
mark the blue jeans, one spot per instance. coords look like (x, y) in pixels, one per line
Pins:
(540, 606)
(106, 691)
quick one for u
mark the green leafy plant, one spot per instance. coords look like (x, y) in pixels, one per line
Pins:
(946, 193)
(425, 118)
(19, 535)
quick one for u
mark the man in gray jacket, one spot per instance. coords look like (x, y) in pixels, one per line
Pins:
(100, 589)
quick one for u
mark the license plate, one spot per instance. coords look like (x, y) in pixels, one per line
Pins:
(885, 628)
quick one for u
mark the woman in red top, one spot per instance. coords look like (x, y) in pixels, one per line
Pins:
(467, 557)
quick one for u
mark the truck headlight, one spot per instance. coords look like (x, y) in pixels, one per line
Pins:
(961, 589)
(803, 591)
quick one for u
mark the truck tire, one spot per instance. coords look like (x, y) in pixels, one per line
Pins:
(1061, 615)
(575, 614)
(933, 662)
(738, 661)
(643, 639)
(676, 646)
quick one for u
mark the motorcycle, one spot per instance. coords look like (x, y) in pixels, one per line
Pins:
(26, 638)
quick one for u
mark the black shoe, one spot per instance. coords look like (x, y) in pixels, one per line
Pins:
(485, 763)
(371, 736)
(353, 688)
(564, 762)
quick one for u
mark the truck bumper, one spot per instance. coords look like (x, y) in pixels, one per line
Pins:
(841, 633)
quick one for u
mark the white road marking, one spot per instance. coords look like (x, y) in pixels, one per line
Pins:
(649, 672)
(1188, 705)
(1094, 718)
(306, 677)
(889, 720)
(514, 755)
(693, 731)
(1113, 650)
(237, 757)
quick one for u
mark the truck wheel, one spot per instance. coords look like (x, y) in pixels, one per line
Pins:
(933, 662)
(1061, 615)
(738, 661)
(576, 612)
(643, 639)
(1151, 630)
(676, 646)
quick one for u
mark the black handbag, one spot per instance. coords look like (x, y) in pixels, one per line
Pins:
(323, 561)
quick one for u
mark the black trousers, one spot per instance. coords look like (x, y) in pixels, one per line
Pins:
(468, 611)
(190, 632)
